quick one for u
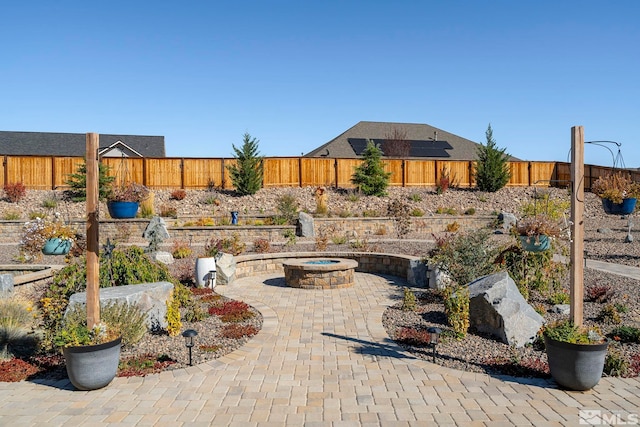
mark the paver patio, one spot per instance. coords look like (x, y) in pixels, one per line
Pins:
(322, 358)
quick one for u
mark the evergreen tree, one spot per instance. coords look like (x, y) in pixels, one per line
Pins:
(492, 170)
(78, 183)
(246, 174)
(370, 177)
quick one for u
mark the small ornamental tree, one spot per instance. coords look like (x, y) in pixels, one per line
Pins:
(492, 170)
(78, 183)
(246, 174)
(396, 144)
(370, 177)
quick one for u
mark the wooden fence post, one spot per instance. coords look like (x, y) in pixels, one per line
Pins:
(577, 225)
(93, 264)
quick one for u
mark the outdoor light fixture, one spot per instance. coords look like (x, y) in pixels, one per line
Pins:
(434, 337)
(188, 341)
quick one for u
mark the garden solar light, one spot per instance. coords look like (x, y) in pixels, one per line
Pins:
(188, 341)
(434, 337)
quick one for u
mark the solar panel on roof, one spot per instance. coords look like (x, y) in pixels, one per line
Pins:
(418, 148)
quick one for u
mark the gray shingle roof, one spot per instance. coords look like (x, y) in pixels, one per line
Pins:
(339, 147)
(73, 144)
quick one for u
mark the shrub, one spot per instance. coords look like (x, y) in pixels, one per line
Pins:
(616, 364)
(370, 213)
(370, 176)
(559, 298)
(246, 173)
(600, 293)
(181, 250)
(11, 215)
(413, 336)
(609, 314)
(232, 311)
(212, 200)
(16, 327)
(322, 237)
(339, 240)
(290, 235)
(14, 192)
(417, 212)
(465, 256)
(178, 194)
(415, 197)
(235, 331)
(168, 211)
(78, 183)
(261, 246)
(50, 203)
(453, 227)
(16, 370)
(195, 313)
(447, 211)
(139, 366)
(126, 318)
(625, 334)
(470, 211)
(554, 209)
(399, 211)
(491, 171)
(287, 207)
(231, 246)
(456, 308)
(409, 302)
(445, 181)
(174, 324)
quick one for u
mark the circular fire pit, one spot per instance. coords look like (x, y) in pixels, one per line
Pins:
(319, 273)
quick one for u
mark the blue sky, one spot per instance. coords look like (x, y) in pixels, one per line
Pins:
(296, 74)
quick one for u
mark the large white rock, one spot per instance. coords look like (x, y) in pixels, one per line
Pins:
(152, 298)
(225, 269)
(305, 224)
(497, 307)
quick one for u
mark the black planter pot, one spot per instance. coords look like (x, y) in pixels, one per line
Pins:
(91, 367)
(575, 366)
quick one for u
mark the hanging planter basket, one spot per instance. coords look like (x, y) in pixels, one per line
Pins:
(56, 246)
(625, 208)
(122, 210)
(538, 243)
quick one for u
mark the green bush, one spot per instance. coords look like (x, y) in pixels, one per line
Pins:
(625, 334)
(246, 173)
(287, 207)
(78, 183)
(456, 308)
(465, 256)
(409, 302)
(492, 168)
(16, 329)
(370, 176)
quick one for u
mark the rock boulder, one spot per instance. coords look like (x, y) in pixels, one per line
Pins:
(496, 307)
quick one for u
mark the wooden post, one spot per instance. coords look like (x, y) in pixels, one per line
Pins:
(577, 224)
(93, 265)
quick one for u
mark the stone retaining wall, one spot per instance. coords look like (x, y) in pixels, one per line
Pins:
(406, 267)
(130, 231)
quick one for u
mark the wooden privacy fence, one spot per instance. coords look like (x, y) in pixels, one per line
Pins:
(47, 173)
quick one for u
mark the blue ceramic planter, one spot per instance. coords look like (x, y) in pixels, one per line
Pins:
(531, 244)
(56, 246)
(625, 208)
(121, 210)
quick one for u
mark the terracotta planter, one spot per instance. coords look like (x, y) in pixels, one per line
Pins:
(535, 243)
(575, 366)
(91, 367)
(122, 210)
(625, 208)
(56, 246)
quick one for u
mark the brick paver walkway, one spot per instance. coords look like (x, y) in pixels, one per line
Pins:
(322, 359)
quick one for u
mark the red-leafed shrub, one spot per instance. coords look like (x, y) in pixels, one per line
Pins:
(261, 246)
(14, 370)
(14, 192)
(235, 331)
(412, 336)
(178, 194)
(232, 311)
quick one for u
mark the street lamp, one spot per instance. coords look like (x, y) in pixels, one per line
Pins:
(188, 335)
(434, 337)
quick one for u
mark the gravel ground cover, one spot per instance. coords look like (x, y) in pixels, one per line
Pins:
(604, 240)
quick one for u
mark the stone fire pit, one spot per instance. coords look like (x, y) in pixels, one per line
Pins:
(319, 273)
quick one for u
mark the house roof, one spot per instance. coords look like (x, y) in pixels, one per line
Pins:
(74, 144)
(427, 142)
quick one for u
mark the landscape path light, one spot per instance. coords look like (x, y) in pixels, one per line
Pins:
(188, 335)
(434, 338)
